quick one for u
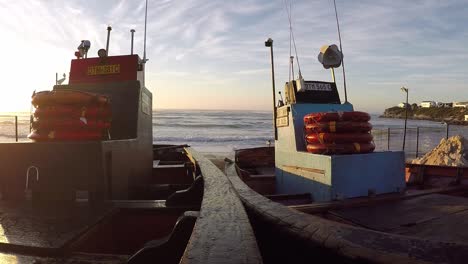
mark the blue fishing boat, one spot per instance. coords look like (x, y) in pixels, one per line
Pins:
(321, 192)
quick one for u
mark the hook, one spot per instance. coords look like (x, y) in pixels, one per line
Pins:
(27, 175)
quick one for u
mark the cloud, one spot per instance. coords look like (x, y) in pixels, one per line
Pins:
(208, 43)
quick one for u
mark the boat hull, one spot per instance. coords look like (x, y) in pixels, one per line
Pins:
(300, 234)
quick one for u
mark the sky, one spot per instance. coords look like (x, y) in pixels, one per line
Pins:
(211, 55)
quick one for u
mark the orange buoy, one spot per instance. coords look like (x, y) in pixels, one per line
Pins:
(343, 148)
(65, 135)
(70, 123)
(355, 116)
(338, 127)
(68, 97)
(71, 111)
(338, 138)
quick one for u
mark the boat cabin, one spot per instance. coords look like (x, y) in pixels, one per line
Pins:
(326, 177)
(110, 168)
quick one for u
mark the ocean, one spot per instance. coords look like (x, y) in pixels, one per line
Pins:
(216, 131)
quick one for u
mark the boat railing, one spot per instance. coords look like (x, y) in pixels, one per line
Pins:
(16, 124)
(419, 140)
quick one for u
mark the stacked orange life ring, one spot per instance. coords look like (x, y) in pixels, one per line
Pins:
(338, 133)
(68, 115)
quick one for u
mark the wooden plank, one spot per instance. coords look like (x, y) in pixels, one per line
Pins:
(222, 234)
(441, 229)
(366, 201)
(308, 173)
(391, 216)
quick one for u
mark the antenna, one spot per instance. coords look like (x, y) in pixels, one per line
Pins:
(109, 28)
(144, 41)
(132, 31)
(341, 49)
(290, 48)
(291, 33)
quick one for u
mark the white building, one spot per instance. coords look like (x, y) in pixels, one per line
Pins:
(427, 104)
(460, 104)
(402, 105)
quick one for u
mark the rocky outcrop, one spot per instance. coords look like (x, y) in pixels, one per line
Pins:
(454, 115)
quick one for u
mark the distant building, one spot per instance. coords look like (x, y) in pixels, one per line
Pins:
(441, 104)
(427, 104)
(447, 105)
(402, 105)
(460, 104)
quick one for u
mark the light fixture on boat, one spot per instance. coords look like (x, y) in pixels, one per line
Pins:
(330, 56)
(83, 48)
(102, 53)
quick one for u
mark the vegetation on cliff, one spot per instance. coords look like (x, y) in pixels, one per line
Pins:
(442, 114)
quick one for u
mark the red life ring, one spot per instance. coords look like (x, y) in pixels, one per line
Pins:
(345, 148)
(70, 124)
(338, 127)
(68, 97)
(355, 116)
(59, 135)
(72, 111)
(315, 138)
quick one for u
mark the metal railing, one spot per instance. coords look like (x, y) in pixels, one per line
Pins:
(16, 124)
(419, 140)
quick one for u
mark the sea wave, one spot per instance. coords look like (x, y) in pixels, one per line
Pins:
(243, 125)
(213, 139)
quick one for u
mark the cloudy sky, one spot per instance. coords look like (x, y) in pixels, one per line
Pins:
(210, 54)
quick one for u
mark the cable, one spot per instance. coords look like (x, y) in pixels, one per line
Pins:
(341, 49)
(288, 11)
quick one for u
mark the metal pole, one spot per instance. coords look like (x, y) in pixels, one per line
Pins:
(388, 138)
(269, 43)
(109, 28)
(447, 130)
(16, 128)
(291, 58)
(144, 40)
(406, 119)
(274, 89)
(131, 47)
(56, 78)
(144, 46)
(417, 142)
(333, 74)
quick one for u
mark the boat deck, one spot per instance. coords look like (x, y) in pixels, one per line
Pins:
(431, 217)
(33, 230)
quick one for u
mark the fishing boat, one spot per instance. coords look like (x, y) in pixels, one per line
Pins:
(91, 187)
(342, 203)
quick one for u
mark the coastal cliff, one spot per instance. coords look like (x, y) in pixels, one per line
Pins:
(454, 115)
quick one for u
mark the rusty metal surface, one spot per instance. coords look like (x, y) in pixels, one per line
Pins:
(38, 230)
